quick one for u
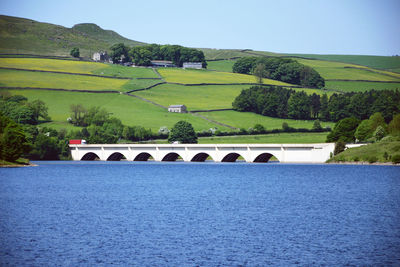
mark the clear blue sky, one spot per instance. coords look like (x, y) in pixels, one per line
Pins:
(368, 27)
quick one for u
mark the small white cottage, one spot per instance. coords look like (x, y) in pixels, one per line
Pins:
(177, 108)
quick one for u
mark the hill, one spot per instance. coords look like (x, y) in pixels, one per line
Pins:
(107, 36)
(25, 36)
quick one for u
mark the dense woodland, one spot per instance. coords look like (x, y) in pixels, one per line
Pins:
(143, 55)
(286, 103)
(281, 69)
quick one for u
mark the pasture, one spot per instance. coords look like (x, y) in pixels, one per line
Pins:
(186, 76)
(248, 119)
(276, 138)
(130, 110)
(221, 65)
(336, 70)
(355, 86)
(201, 97)
(18, 78)
(75, 66)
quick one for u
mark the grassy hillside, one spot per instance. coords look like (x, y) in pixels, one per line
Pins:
(130, 110)
(107, 36)
(280, 138)
(25, 36)
(372, 152)
(390, 63)
(249, 119)
(187, 76)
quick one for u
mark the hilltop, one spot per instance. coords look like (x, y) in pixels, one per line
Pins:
(25, 36)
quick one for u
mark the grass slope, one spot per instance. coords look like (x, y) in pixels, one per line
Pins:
(17, 78)
(221, 65)
(366, 153)
(107, 36)
(355, 86)
(337, 70)
(280, 138)
(130, 110)
(249, 119)
(187, 76)
(376, 62)
(200, 97)
(25, 36)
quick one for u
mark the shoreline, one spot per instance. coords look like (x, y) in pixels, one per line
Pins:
(19, 165)
(363, 163)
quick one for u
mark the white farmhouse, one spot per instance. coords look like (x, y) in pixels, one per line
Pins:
(177, 108)
(192, 65)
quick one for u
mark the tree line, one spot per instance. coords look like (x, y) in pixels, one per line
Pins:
(281, 69)
(287, 103)
(143, 55)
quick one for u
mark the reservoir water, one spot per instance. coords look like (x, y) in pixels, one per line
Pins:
(204, 214)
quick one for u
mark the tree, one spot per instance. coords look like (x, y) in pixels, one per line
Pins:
(183, 132)
(45, 148)
(258, 128)
(39, 109)
(315, 105)
(343, 130)
(259, 72)
(13, 141)
(75, 52)
(379, 133)
(394, 125)
(317, 126)
(299, 106)
(363, 131)
(119, 53)
(324, 111)
(78, 114)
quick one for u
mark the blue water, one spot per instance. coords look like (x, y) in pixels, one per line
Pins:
(204, 214)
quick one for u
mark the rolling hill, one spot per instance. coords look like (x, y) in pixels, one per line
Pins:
(139, 96)
(25, 36)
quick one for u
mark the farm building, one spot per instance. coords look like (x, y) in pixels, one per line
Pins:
(177, 108)
(192, 65)
(100, 56)
(162, 63)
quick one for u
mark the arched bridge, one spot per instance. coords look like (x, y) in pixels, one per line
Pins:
(285, 153)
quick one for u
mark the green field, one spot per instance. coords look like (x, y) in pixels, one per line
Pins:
(17, 78)
(194, 97)
(131, 110)
(186, 76)
(376, 62)
(201, 97)
(221, 65)
(336, 70)
(249, 119)
(279, 138)
(348, 86)
(74, 66)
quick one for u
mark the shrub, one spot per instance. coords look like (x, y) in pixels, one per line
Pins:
(372, 159)
(356, 159)
(396, 158)
(340, 146)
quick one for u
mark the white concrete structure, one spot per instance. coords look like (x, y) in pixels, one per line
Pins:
(285, 153)
(177, 108)
(192, 65)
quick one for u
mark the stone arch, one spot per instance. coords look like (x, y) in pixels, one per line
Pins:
(264, 157)
(171, 157)
(231, 157)
(116, 157)
(144, 156)
(90, 156)
(201, 157)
